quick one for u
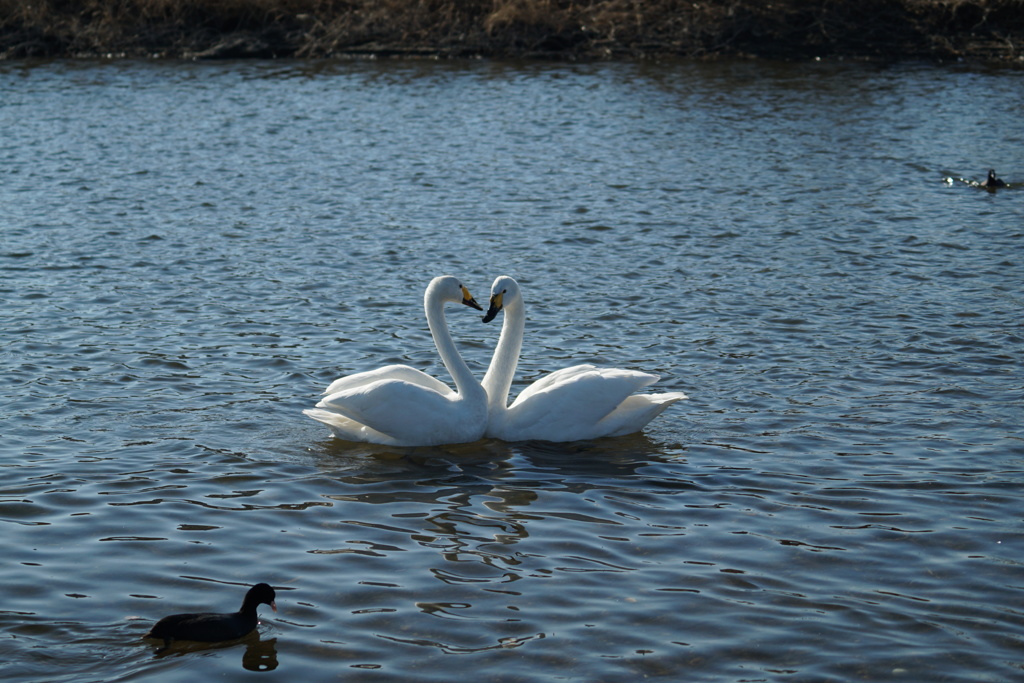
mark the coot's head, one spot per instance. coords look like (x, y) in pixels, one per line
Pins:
(993, 180)
(261, 594)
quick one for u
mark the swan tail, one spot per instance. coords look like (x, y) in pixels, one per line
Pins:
(636, 412)
(346, 429)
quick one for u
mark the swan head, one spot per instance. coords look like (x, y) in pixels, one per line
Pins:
(449, 288)
(504, 291)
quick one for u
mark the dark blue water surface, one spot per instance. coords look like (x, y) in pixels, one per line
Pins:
(191, 252)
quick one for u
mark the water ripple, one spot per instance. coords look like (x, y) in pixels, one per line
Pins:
(837, 499)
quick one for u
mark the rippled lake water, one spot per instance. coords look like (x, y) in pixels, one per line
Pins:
(191, 252)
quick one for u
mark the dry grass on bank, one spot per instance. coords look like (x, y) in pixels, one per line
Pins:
(991, 29)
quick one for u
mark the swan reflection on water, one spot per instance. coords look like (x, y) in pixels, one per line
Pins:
(616, 455)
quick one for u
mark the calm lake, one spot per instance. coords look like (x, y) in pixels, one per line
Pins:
(191, 252)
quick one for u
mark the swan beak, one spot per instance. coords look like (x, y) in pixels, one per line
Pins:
(468, 300)
(494, 308)
(273, 606)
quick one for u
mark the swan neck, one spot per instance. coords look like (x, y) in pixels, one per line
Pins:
(498, 380)
(465, 382)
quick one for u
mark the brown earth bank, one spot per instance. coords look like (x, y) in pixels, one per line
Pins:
(991, 30)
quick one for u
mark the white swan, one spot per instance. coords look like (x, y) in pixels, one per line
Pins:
(400, 406)
(579, 402)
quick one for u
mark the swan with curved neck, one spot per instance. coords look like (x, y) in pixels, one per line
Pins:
(578, 402)
(400, 406)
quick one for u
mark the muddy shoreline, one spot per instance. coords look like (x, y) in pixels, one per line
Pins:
(941, 30)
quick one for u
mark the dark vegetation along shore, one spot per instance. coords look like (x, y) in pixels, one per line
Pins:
(564, 29)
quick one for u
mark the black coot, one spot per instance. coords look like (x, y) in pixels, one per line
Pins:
(210, 627)
(992, 181)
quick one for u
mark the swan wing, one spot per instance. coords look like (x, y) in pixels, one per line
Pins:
(563, 376)
(409, 413)
(569, 404)
(397, 372)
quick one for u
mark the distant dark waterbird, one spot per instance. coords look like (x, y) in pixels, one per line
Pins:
(210, 627)
(992, 181)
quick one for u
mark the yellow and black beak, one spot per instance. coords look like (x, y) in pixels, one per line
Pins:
(495, 307)
(468, 300)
